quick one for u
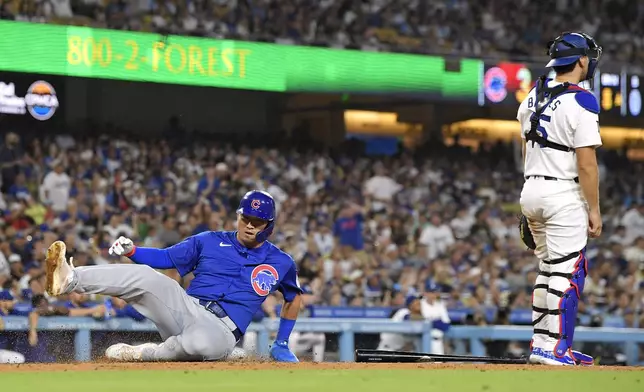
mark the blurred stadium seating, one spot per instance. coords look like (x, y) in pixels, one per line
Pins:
(366, 231)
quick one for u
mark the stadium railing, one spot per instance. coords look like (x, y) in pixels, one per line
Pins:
(346, 328)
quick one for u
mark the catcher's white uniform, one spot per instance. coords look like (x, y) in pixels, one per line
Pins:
(557, 212)
(550, 192)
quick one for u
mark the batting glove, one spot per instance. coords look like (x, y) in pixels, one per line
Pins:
(122, 247)
(281, 353)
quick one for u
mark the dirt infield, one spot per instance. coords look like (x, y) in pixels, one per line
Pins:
(258, 365)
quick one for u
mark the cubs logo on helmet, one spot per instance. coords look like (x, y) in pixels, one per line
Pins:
(263, 278)
(259, 204)
(41, 100)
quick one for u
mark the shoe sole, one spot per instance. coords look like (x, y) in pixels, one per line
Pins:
(54, 259)
(541, 360)
(552, 362)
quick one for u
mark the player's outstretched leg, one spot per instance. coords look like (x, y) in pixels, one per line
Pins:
(154, 295)
(188, 330)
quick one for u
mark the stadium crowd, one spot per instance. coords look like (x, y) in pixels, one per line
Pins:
(364, 231)
(489, 28)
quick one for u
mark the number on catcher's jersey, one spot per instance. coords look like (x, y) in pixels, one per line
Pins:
(571, 120)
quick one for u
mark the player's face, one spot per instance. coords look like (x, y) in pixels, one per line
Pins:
(248, 227)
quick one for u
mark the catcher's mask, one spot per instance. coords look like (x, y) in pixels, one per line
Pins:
(569, 47)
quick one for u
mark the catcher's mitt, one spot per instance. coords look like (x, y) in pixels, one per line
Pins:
(526, 234)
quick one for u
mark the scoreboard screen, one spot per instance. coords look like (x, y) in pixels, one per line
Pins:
(508, 83)
(611, 93)
(634, 94)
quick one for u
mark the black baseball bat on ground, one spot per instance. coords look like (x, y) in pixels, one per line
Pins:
(363, 355)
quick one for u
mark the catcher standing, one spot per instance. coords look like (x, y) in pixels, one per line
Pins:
(560, 196)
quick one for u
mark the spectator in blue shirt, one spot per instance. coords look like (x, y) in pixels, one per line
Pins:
(348, 227)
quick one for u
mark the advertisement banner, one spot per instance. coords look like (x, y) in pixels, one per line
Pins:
(508, 83)
(30, 98)
(131, 56)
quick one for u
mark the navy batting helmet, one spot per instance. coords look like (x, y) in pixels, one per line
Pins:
(570, 47)
(259, 204)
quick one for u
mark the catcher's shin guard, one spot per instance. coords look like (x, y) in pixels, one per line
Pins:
(540, 311)
(564, 292)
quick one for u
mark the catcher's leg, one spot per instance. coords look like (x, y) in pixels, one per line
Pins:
(566, 234)
(539, 293)
(565, 288)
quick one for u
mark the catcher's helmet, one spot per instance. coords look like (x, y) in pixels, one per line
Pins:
(570, 47)
(259, 204)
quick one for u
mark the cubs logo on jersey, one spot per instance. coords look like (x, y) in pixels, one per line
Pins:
(263, 278)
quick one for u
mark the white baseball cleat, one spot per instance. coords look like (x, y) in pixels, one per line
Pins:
(59, 272)
(127, 353)
(238, 354)
(11, 357)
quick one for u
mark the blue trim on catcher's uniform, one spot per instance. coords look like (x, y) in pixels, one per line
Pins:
(588, 101)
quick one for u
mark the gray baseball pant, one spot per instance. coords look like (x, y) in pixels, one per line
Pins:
(190, 332)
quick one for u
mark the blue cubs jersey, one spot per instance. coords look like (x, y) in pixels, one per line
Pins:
(238, 278)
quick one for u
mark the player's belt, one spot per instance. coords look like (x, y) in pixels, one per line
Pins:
(547, 178)
(216, 309)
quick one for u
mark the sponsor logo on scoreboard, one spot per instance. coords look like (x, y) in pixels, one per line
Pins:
(40, 100)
